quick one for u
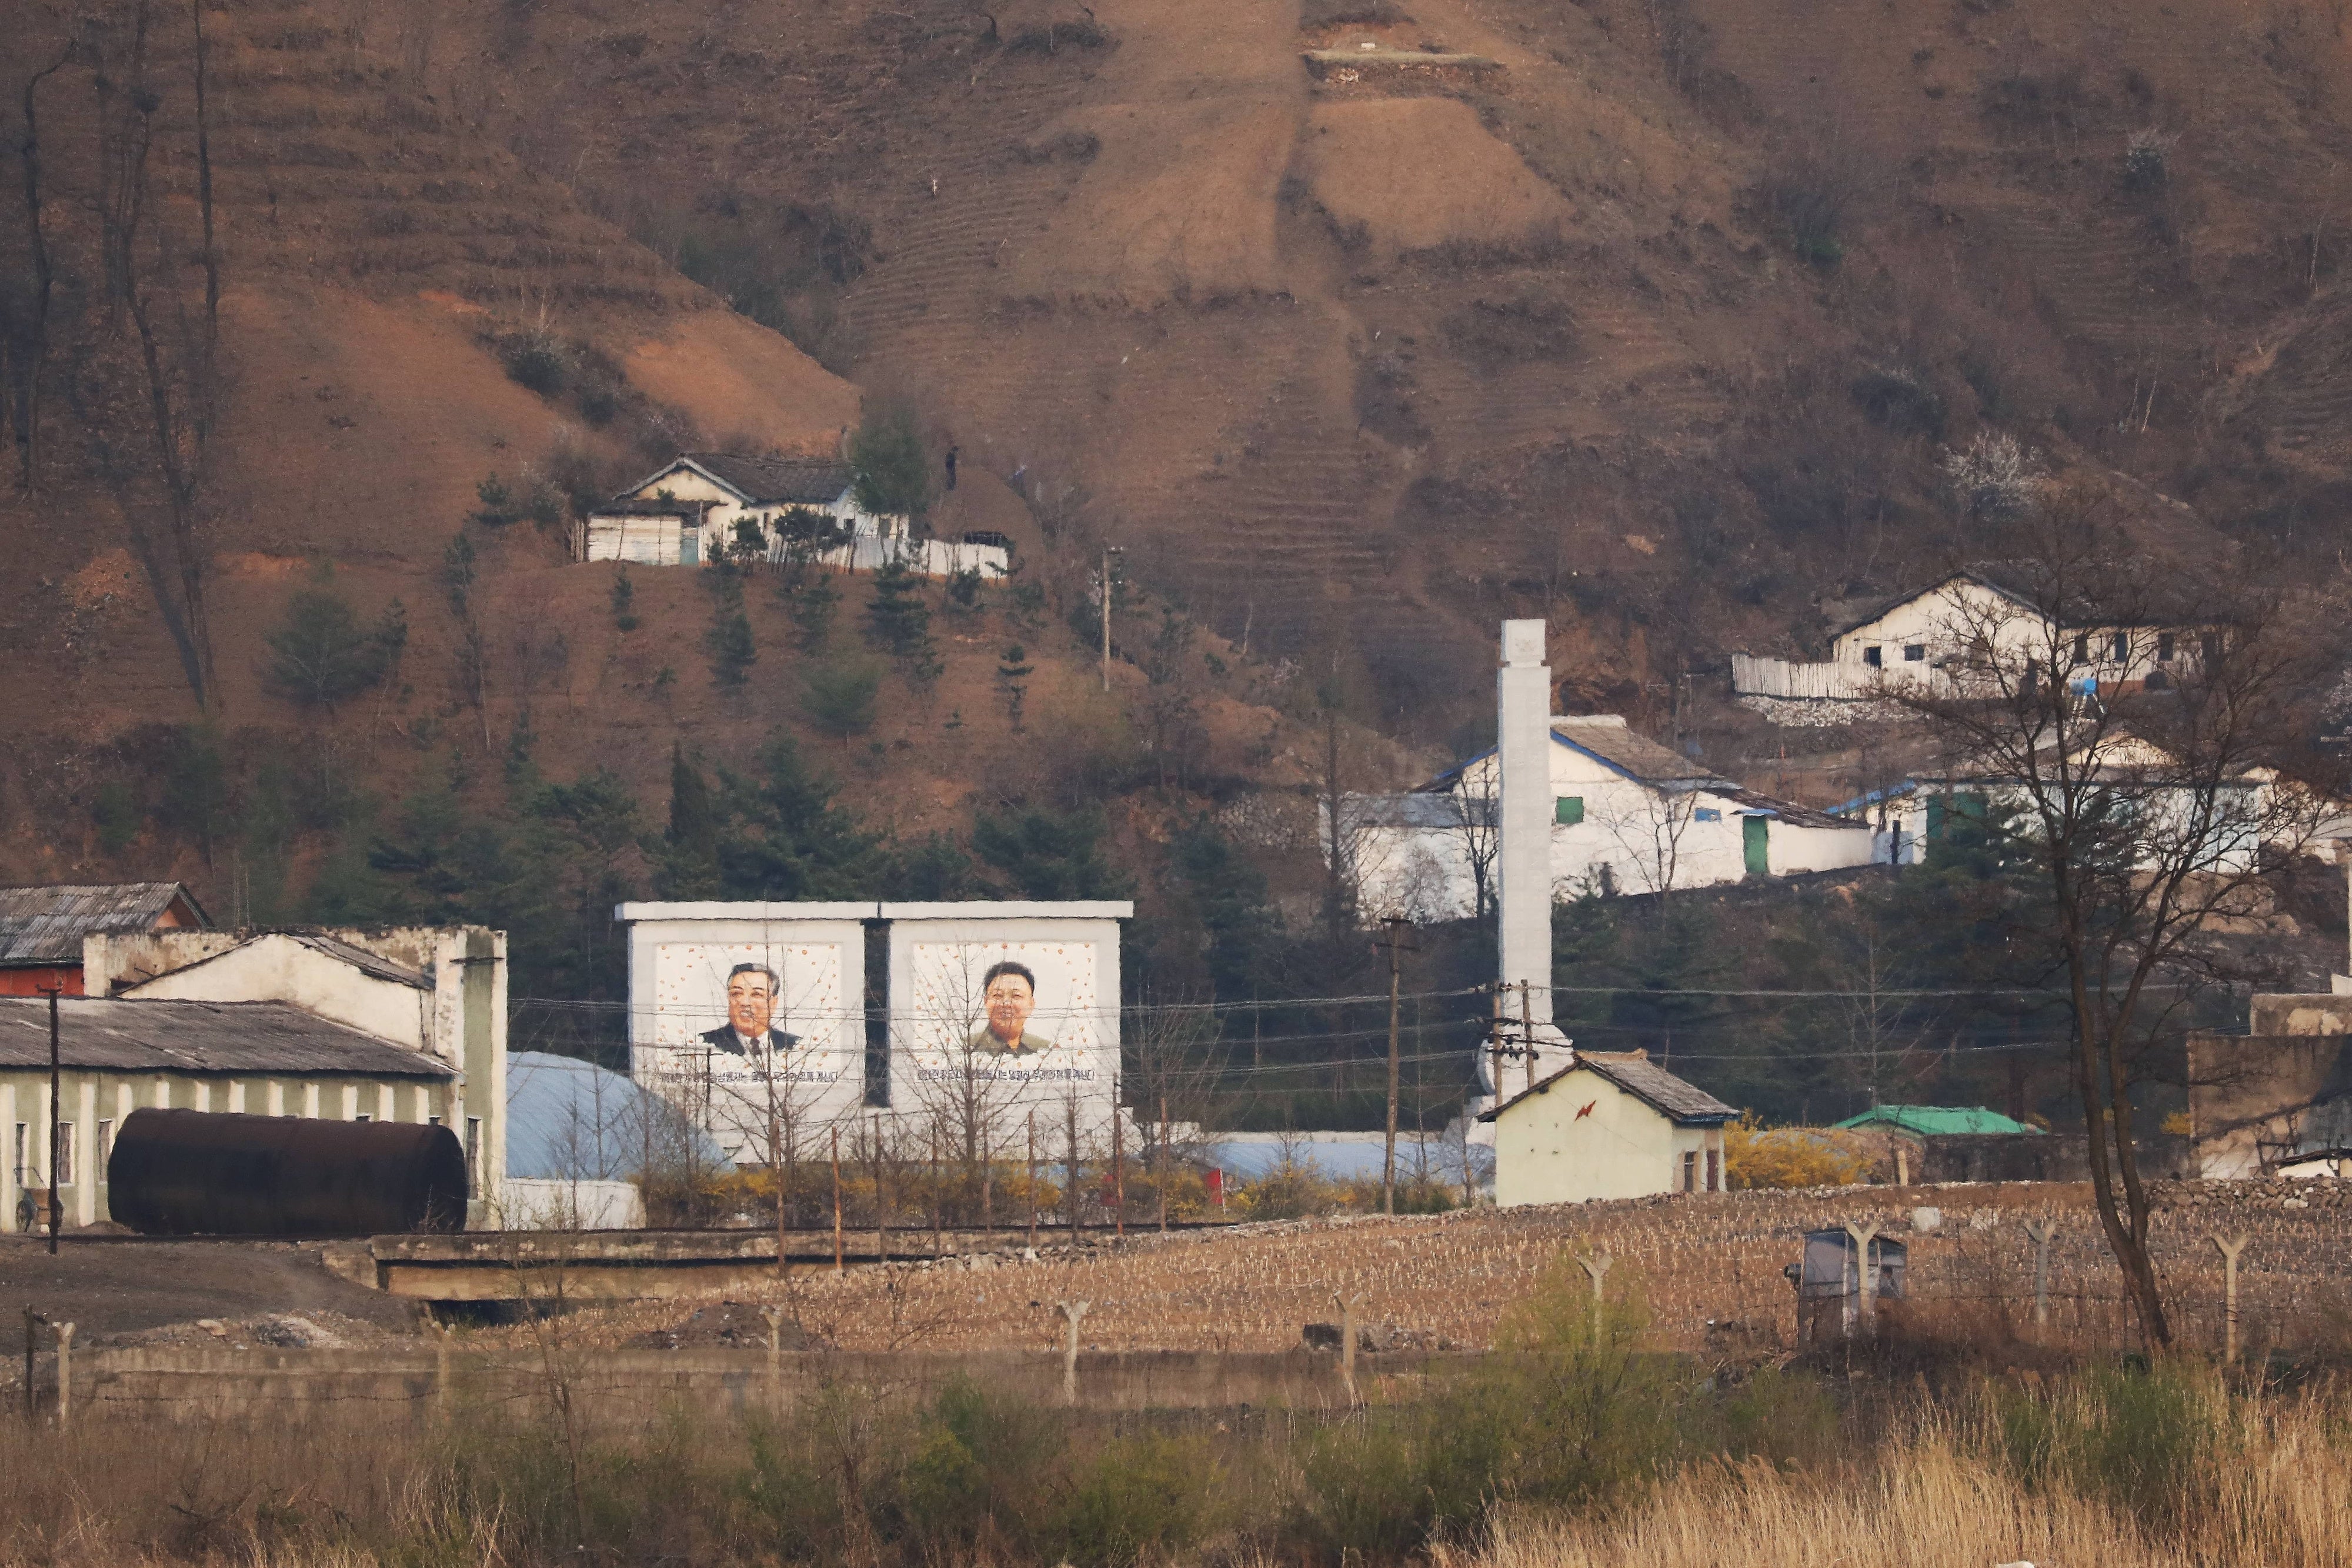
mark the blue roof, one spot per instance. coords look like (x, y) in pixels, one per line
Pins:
(571, 1120)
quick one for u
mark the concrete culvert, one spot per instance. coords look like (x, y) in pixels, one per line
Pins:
(195, 1173)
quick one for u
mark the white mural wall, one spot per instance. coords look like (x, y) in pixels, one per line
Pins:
(752, 1018)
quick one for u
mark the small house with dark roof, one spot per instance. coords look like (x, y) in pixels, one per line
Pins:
(1628, 815)
(1611, 1124)
(710, 506)
(42, 929)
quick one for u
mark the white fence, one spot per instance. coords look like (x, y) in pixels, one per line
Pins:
(1754, 676)
(924, 557)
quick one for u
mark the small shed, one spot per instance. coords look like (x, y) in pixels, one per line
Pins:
(1611, 1124)
(42, 929)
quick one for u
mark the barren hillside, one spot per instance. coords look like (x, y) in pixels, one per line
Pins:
(1655, 318)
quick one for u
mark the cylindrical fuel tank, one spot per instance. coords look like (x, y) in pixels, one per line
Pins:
(200, 1172)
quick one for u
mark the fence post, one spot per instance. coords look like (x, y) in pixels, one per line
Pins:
(775, 1316)
(1864, 1235)
(440, 1332)
(2229, 1250)
(1347, 1305)
(2039, 1232)
(1596, 1268)
(65, 1363)
(1073, 1313)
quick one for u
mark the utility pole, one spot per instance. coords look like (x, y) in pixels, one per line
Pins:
(57, 1106)
(1117, 1162)
(1109, 550)
(1397, 947)
(1527, 1032)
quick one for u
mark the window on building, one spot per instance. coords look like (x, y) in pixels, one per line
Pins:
(2163, 647)
(1708, 814)
(474, 1152)
(2120, 647)
(105, 1148)
(1568, 810)
(1690, 1170)
(1914, 652)
(2083, 648)
(1872, 658)
(64, 1155)
(20, 1148)
(1714, 1170)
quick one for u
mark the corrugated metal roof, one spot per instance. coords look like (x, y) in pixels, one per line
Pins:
(123, 1034)
(46, 925)
(1932, 1118)
(571, 1120)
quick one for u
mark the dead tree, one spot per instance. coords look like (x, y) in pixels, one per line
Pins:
(31, 346)
(2131, 812)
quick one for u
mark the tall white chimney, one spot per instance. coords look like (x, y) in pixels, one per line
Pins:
(1523, 860)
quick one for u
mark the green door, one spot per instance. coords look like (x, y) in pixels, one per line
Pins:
(1754, 839)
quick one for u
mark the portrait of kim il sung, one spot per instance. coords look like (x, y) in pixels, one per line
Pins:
(1009, 991)
(750, 1031)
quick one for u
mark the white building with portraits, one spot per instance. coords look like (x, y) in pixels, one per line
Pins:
(775, 1025)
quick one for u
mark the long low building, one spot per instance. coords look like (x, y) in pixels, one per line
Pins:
(264, 1058)
(1628, 815)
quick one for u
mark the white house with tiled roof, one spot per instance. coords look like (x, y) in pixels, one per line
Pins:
(704, 505)
(1932, 638)
(1628, 815)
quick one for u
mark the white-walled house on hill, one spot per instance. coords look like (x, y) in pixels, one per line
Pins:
(1628, 815)
(1927, 639)
(704, 506)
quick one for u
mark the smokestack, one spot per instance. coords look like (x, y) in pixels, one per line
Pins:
(1523, 861)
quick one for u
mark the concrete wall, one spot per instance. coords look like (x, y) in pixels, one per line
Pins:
(1547, 1152)
(2255, 1101)
(98, 1103)
(541, 1205)
(2018, 1157)
(202, 1381)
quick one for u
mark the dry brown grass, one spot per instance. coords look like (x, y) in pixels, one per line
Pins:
(2280, 1483)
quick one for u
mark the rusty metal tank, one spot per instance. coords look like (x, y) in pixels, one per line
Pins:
(199, 1172)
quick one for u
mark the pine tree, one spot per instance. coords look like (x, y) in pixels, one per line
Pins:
(898, 621)
(689, 850)
(728, 640)
(1013, 673)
